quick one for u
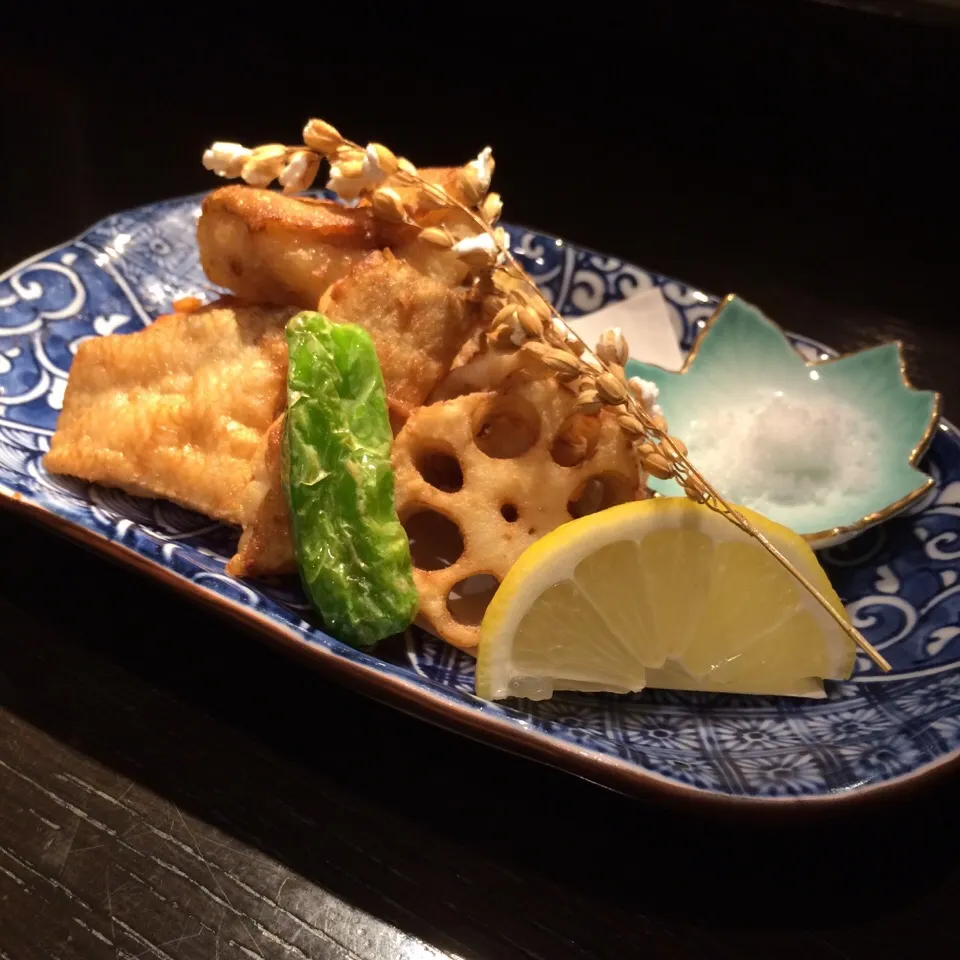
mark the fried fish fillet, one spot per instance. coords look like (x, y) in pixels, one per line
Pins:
(269, 248)
(177, 410)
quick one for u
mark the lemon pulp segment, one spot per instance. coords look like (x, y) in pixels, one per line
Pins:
(662, 593)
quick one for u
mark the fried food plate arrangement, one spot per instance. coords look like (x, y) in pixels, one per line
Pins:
(505, 425)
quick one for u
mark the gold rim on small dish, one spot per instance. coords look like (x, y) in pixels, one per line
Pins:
(916, 454)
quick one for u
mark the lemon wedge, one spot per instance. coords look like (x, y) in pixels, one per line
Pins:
(661, 593)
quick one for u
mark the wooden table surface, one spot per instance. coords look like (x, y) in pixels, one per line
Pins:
(170, 787)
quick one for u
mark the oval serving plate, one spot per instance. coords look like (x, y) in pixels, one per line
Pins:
(900, 581)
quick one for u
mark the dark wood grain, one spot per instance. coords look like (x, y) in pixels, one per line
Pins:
(169, 787)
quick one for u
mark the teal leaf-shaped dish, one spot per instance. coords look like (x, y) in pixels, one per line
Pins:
(859, 410)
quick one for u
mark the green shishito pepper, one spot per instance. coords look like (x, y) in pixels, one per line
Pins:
(352, 553)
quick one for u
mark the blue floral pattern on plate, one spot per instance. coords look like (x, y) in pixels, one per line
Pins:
(900, 581)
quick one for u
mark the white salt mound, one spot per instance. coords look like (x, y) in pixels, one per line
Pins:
(785, 449)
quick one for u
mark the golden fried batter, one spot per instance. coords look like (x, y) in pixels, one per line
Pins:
(412, 195)
(479, 367)
(177, 410)
(269, 248)
(481, 477)
(418, 325)
(266, 545)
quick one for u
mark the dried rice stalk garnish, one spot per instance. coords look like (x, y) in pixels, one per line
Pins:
(522, 318)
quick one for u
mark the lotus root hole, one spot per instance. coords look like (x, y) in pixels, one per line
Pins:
(506, 427)
(599, 492)
(435, 540)
(576, 440)
(509, 512)
(469, 598)
(440, 470)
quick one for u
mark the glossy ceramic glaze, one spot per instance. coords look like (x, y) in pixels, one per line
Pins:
(739, 347)
(900, 580)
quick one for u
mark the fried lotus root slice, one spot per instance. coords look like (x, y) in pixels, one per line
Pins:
(418, 325)
(481, 477)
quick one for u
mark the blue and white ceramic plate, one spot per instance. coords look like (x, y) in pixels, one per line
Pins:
(900, 581)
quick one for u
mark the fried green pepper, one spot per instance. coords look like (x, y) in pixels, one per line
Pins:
(352, 553)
